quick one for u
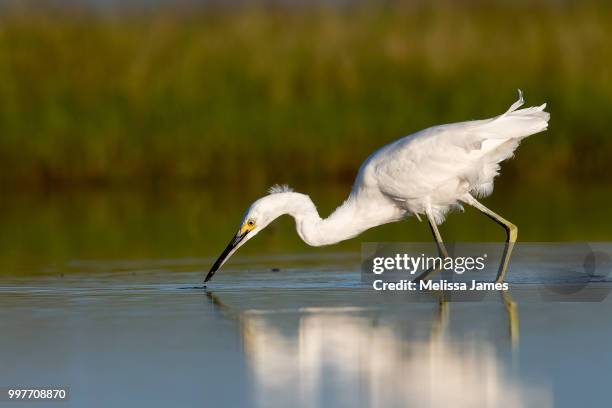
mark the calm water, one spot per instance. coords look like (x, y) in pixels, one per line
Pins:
(97, 294)
(303, 336)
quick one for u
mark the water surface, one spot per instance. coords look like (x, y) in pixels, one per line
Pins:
(306, 335)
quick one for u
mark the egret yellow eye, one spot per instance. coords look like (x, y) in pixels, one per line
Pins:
(247, 226)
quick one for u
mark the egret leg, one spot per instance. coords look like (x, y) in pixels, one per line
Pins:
(440, 323)
(443, 253)
(511, 234)
(513, 318)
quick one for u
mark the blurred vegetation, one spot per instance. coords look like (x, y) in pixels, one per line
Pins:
(260, 94)
(81, 231)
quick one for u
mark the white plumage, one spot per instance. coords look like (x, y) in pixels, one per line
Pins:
(436, 167)
(426, 173)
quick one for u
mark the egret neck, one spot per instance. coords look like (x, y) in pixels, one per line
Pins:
(347, 221)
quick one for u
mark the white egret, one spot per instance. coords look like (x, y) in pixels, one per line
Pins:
(426, 173)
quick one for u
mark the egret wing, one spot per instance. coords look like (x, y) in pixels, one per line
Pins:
(439, 165)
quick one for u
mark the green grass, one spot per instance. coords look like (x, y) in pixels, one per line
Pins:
(258, 95)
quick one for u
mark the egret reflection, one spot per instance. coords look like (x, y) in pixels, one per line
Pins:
(338, 356)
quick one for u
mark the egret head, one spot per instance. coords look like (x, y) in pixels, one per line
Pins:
(258, 216)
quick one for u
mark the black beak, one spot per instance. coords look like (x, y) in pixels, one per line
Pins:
(225, 254)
